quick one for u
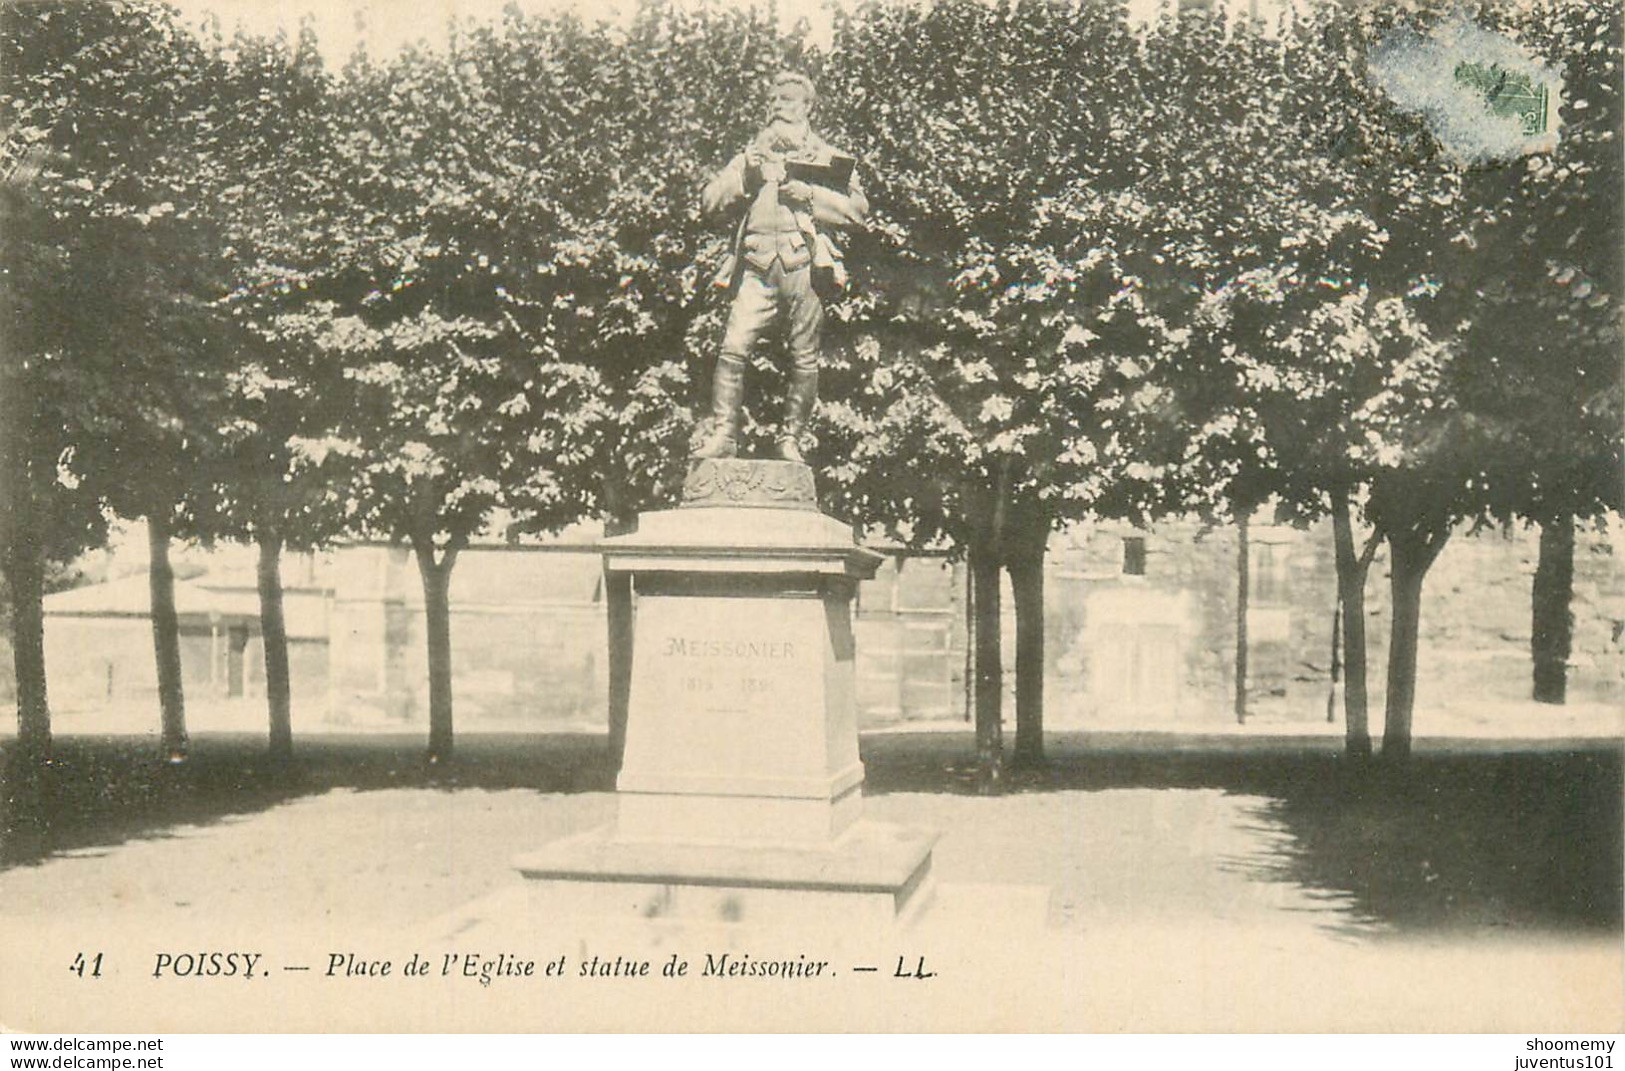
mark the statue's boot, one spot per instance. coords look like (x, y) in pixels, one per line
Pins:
(798, 409)
(727, 410)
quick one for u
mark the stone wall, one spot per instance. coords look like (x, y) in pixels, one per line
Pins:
(527, 638)
(1141, 629)
(1161, 646)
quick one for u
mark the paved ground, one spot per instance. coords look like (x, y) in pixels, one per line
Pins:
(1111, 908)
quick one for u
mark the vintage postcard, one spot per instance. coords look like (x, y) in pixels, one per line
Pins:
(928, 515)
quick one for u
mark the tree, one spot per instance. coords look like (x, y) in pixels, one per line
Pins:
(1480, 450)
(1337, 383)
(103, 297)
(46, 514)
(1314, 364)
(973, 400)
(280, 474)
(429, 174)
(1231, 227)
(1403, 433)
(1544, 338)
(1230, 203)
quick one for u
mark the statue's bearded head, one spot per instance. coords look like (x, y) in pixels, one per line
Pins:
(789, 110)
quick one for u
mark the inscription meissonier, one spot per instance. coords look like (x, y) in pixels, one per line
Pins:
(679, 647)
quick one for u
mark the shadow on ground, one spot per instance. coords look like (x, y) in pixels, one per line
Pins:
(103, 790)
(1470, 836)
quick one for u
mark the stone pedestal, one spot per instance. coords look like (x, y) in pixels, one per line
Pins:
(741, 793)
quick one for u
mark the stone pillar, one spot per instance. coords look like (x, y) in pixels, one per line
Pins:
(740, 795)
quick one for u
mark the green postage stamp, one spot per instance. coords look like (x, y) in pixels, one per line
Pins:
(1509, 94)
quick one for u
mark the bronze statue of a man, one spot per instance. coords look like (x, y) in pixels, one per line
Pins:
(791, 195)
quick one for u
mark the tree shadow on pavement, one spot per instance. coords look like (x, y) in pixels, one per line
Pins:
(103, 790)
(1468, 835)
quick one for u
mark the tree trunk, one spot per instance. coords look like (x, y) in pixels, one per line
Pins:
(989, 660)
(1243, 591)
(1351, 574)
(1026, 567)
(1411, 553)
(166, 639)
(26, 772)
(1552, 629)
(1336, 661)
(22, 557)
(274, 637)
(25, 577)
(618, 612)
(970, 647)
(437, 624)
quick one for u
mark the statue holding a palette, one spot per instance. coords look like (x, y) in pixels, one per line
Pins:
(790, 196)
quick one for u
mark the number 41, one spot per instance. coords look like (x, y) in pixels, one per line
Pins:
(79, 963)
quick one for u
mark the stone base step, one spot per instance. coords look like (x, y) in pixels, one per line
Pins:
(869, 877)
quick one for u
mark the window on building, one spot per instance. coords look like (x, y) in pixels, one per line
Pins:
(1268, 572)
(1133, 555)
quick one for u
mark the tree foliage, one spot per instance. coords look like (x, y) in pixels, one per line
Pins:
(1117, 271)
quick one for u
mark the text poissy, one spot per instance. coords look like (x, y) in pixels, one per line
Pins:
(205, 964)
